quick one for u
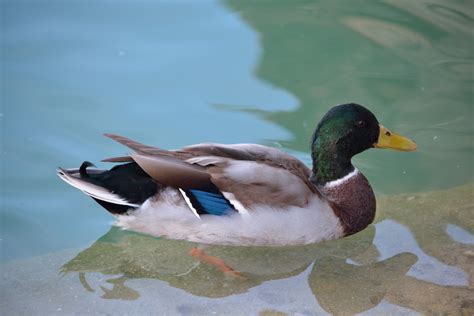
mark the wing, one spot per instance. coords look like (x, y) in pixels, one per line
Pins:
(249, 152)
(254, 173)
(245, 174)
(249, 183)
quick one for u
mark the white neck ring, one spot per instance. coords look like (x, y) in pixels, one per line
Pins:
(342, 180)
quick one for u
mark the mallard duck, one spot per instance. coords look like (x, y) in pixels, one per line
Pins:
(244, 194)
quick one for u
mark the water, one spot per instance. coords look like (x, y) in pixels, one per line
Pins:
(175, 73)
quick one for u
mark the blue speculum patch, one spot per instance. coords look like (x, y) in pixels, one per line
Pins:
(210, 202)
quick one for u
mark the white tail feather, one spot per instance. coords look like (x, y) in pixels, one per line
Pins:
(93, 190)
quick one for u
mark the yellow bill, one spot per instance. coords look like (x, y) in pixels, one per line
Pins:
(387, 139)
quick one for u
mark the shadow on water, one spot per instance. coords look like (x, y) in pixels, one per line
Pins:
(347, 276)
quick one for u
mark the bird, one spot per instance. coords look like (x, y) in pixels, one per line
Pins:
(244, 194)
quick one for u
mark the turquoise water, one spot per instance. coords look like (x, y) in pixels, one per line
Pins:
(173, 73)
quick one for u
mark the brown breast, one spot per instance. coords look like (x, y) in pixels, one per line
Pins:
(353, 202)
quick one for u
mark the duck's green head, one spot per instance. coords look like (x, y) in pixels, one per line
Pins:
(343, 132)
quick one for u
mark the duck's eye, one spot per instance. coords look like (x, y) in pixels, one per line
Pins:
(360, 124)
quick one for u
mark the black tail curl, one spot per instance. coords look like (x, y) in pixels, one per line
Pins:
(83, 168)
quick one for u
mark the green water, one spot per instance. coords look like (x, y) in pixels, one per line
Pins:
(175, 73)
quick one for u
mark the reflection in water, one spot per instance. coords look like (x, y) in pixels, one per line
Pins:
(342, 288)
(134, 256)
(389, 35)
(119, 290)
(427, 268)
(408, 61)
(427, 216)
(349, 275)
(449, 16)
(459, 235)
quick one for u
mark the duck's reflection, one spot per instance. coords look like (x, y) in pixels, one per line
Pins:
(119, 290)
(345, 273)
(348, 276)
(133, 256)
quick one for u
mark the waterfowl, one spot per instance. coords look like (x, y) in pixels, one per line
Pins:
(244, 194)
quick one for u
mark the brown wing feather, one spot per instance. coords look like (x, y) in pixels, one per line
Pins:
(139, 147)
(118, 159)
(173, 172)
(247, 152)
